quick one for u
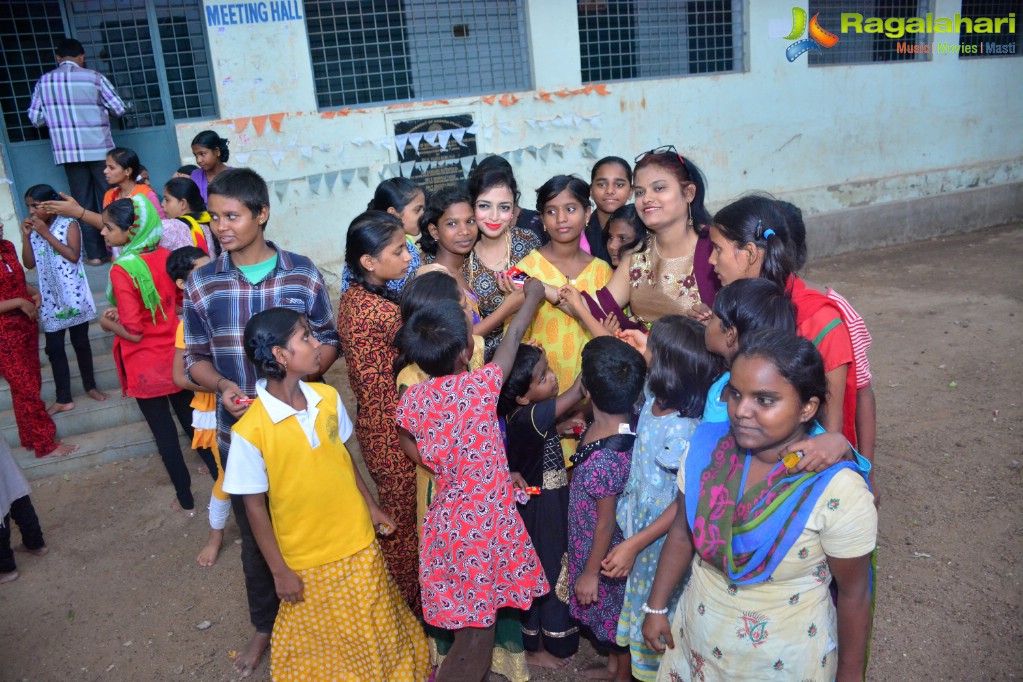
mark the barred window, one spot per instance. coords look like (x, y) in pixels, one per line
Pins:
(630, 39)
(29, 32)
(1001, 42)
(379, 51)
(868, 48)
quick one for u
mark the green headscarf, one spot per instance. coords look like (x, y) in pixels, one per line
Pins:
(143, 237)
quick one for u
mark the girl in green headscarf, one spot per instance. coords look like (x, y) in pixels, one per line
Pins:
(144, 320)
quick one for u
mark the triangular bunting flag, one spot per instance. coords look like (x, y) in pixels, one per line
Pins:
(281, 186)
(559, 149)
(276, 158)
(591, 148)
(307, 151)
(401, 142)
(459, 135)
(432, 138)
(517, 155)
(259, 123)
(545, 152)
(347, 175)
(330, 178)
(275, 122)
(445, 137)
(407, 168)
(382, 143)
(240, 124)
(242, 158)
(532, 150)
(314, 182)
(595, 121)
(363, 174)
(532, 123)
(505, 128)
(415, 139)
(467, 164)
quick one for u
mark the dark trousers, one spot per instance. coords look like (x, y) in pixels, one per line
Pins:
(87, 185)
(157, 412)
(23, 514)
(58, 360)
(259, 581)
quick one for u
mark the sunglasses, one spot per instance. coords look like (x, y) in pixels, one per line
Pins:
(666, 149)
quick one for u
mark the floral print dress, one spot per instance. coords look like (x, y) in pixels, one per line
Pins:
(786, 627)
(66, 297)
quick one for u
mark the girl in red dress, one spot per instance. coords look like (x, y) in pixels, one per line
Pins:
(19, 356)
(476, 556)
(143, 319)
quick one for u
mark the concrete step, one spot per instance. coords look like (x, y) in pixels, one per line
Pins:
(104, 370)
(99, 447)
(88, 416)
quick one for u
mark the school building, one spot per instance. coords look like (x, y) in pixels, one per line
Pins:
(903, 126)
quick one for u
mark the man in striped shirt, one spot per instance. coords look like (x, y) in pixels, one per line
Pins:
(75, 103)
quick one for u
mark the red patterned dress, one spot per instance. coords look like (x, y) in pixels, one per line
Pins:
(476, 556)
(367, 324)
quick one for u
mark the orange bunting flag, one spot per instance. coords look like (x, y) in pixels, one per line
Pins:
(240, 124)
(259, 123)
(345, 111)
(563, 93)
(601, 89)
(489, 99)
(545, 96)
(275, 122)
(508, 99)
(328, 114)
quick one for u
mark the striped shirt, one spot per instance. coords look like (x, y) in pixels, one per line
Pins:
(219, 301)
(75, 103)
(859, 336)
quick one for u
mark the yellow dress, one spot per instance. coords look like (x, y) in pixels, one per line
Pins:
(560, 334)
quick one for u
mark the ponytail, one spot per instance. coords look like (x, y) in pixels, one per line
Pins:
(756, 220)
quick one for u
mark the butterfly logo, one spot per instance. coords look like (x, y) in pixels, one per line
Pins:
(818, 36)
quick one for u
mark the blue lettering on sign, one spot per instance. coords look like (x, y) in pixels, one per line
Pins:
(232, 14)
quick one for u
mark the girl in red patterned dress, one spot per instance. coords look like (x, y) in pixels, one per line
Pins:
(476, 556)
(367, 321)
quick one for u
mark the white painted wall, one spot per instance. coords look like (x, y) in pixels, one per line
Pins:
(827, 138)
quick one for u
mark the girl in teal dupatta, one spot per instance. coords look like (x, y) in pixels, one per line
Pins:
(766, 540)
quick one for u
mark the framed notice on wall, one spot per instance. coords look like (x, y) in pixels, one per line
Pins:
(437, 148)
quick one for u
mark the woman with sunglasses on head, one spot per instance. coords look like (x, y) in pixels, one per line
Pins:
(671, 275)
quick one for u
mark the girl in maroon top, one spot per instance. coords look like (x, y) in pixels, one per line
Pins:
(143, 318)
(19, 356)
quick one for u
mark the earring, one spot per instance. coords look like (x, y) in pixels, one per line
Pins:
(285, 366)
(689, 220)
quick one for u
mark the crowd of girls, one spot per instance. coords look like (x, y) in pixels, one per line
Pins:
(615, 417)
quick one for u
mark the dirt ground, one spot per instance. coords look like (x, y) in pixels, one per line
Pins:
(121, 598)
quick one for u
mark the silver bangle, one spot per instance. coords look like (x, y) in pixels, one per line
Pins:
(655, 612)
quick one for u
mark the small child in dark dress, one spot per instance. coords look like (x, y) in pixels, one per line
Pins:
(612, 377)
(16, 506)
(531, 407)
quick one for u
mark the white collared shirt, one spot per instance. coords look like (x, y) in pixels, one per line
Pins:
(245, 473)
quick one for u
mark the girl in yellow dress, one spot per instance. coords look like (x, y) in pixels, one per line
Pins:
(564, 205)
(341, 615)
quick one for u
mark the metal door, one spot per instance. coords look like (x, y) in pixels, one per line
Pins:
(162, 81)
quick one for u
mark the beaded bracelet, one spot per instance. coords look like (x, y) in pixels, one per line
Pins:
(655, 612)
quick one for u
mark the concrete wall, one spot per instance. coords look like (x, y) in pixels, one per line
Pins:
(834, 140)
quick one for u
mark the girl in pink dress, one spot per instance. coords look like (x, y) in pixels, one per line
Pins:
(476, 556)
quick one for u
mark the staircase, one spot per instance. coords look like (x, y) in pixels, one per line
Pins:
(104, 431)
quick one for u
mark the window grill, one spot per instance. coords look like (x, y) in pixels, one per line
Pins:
(186, 62)
(378, 51)
(868, 48)
(630, 39)
(29, 31)
(1003, 43)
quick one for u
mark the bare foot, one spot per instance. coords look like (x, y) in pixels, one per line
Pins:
(187, 513)
(8, 577)
(202, 470)
(595, 672)
(545, 659)
(97, 394)
(246, 662)
(62, 450)
(59, 407)
(208, 556)
(38, 551)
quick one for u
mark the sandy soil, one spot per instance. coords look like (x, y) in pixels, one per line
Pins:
(121, 598)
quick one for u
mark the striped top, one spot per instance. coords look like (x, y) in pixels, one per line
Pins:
(75, 103)
(859, 336)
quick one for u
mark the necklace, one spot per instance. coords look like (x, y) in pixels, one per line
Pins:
(499, 266)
